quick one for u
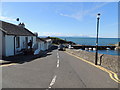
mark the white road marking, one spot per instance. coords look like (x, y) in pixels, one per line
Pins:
(57, 56)
(58, 63)
(53, 81)
(54, 78)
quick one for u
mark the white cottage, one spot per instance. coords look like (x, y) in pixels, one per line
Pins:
(43, 43)
(14, 38)
(40, 44)
(47, 44)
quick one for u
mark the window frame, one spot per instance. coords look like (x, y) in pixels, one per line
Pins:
(17, 42)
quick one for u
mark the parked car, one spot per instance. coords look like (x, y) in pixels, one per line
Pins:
(61, 47)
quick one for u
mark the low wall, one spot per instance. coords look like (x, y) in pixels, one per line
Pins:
(108, 61)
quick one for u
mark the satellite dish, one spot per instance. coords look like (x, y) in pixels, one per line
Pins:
(17, 19)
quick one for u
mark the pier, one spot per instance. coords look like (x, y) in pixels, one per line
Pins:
(88, 47)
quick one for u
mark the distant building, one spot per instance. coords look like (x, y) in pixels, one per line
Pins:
(14, 38)
(40, 44)
(47, 43)
(44, 43)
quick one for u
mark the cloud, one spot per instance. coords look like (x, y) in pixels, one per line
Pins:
(7, 18)
(80, 14)
(49, 34)
(77, 16)
(61, 34)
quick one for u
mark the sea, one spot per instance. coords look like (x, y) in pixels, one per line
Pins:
(92, 41)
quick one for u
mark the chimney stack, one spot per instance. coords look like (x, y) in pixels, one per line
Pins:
(36, 34)
(22, 25)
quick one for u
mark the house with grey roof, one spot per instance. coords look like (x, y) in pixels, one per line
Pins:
(14, 38)
(47, 44)
(42, 44)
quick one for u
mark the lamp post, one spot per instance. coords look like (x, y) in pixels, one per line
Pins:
(96, 55)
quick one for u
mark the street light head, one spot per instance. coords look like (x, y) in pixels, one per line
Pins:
(17, 19)
(98, 15)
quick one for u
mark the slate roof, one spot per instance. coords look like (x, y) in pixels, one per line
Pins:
(11, 29)
(46, 39)
(43, 39)
(40, 39)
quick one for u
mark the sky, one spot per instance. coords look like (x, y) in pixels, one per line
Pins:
(64, 18)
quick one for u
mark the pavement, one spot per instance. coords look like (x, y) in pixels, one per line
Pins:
(21, 58)
(56, 70)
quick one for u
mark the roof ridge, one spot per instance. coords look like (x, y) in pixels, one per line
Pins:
(9, 23)
(13, 29)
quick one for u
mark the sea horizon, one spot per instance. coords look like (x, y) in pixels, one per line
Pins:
(92, 41)
(79, 37)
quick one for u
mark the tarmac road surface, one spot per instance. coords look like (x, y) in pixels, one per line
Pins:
(57, 70)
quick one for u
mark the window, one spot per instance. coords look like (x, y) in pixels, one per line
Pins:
(32, 39)
(26, 42)
(17, 42)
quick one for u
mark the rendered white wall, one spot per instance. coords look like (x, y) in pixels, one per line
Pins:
(3, 44)
(34, 40)
(0, 44)
(41, 45)
(44, 46)
(23, 42)
(9, 43)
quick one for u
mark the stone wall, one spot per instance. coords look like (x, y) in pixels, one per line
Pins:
(108, 61)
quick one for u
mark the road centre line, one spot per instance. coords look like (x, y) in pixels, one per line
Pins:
(58, 63)
(53, 81)
(57, 56)
(54, 78)
(111, 73)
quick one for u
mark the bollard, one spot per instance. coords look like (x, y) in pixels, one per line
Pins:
(101, 59)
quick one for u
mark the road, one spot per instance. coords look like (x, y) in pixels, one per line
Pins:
(57, 70)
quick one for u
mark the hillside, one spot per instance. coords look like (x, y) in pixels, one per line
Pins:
(57, 40)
